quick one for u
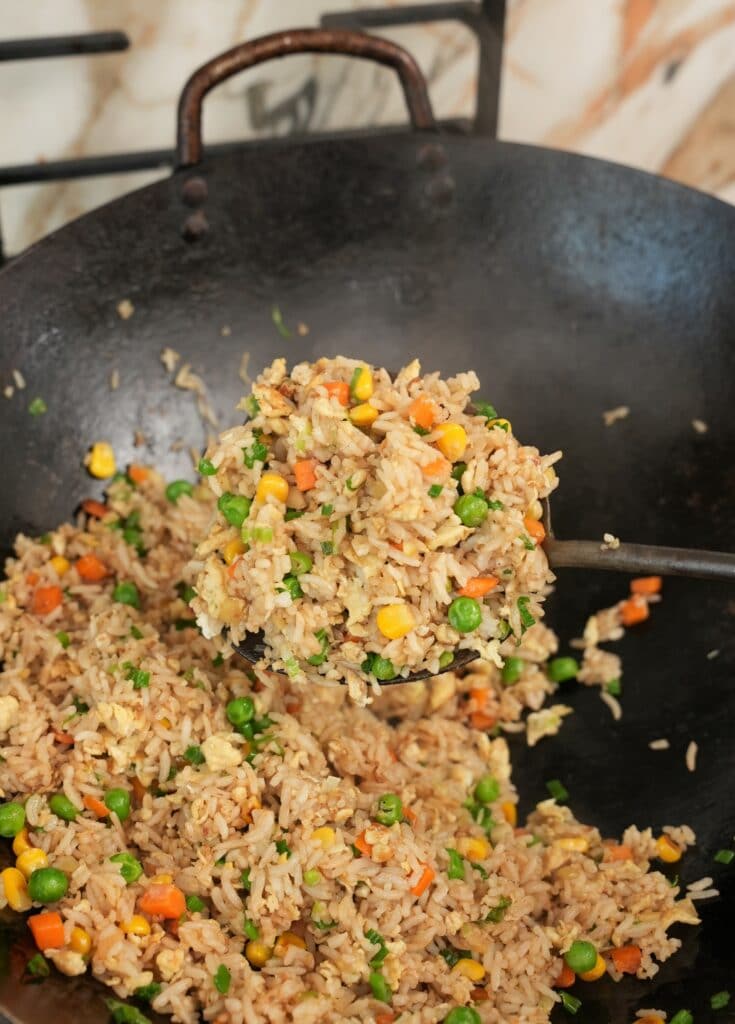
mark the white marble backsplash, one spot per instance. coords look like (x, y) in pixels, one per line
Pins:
(650, 83)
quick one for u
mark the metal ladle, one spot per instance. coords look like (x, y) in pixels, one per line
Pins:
(649, 559)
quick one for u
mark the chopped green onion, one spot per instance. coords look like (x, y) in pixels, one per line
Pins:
(321, 657)
(38, 966)
(496, 506)
(456, 864)
(292, 667)
(136, 676)
(283, 847)
(327, 510)
(121, 1013)
(377, 940)
(194, 755)
(218, 659)
(257, 452)
(614, 688)
(379, 987)
(458, 470)
(181, 624)
(421, 431)
(479, 869)
(327, 547)
(222, 979)
(682, 1017)
(720, 1000)
(252, 406)
(277, 318)
(293, 513)
(527, 620)
(251, 930)
(511, 670)
(300, 562)
(527, 542)
(292, 586)
(63, 638)
(263, 534)
(445, 659)
(571, 1004)
(485, 409)
(194, 903)
(136, 633)
(81, 707)
(504, 629)
(558, 790)
(725, 856)
(496, 914)
(37, 407)
(452, 956)
(148, 992)
(435, 490)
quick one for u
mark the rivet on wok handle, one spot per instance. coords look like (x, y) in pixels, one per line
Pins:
(281, 44)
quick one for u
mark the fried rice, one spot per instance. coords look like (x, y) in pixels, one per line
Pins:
(336, 862)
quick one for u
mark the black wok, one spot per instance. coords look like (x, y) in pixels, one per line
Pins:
(569, 284)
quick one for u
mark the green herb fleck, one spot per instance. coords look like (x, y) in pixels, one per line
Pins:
(421, 431)
(725, 856)
(527, 542)
(136, 633)
(613, 687)
(222, 979)
(194, 755)
(283, 847)
(63, 638)
(327, 510)
(720, 1000)
(527, 620)
(251, 930)
(121, 1013)
(327, 547)
(571, 1004)
(194, 903)
(456, 864)
(38, 966)
(277, 318)
(148, 992)
(558, 790)
(452, 956)
(435, 490)
(496, 914)
(37, 407)
(136, 676)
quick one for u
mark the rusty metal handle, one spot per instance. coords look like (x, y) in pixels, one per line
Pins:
(281, 44)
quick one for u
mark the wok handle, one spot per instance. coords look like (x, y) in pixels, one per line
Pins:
(281, 44)
(641, 558)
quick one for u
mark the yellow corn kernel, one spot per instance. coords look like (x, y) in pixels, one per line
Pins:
(474, 848)
(576, 844)
(469, 969)
(60, 564)
(535, 510)
(232, 549)
(452, 440)
(165, 722)
(16, 890)
(257, 953)
(101, 460)
(362, 389)
(395, 620)
(500, 422)
(30, 860)
(21, 843)
(286, 940)
(363, 415)
(667, 850)
(80, 941)
(595, 972)
(137, 925)
(510, 812)
(164, 879)
(325, 836)
(272, 485)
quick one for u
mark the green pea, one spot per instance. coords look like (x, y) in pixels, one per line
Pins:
(463, 1015)
(511, 671)
(465, 614)
(292, 585)
(446, 658)
(130, 867)
(47, 885)
(560, 669)
(12, 819)
(300, 562)
(194, 904)
(471, 509)
(194, 755)
(321, 657)
(382, 668)
(379, 987)
(312, 877)
(390, 809)
(234, 507)
(581, 956)
(118, 801)
(62, 807)
(487, 789)
(176, 488)
(126, 593)
(240, 710)
(207, 467)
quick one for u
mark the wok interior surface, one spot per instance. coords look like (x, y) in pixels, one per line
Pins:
(569, 285)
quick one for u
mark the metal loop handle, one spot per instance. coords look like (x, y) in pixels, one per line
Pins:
(281, 44)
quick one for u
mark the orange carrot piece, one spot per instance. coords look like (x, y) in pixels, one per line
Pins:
(481, 721)
(634, 610)
(46, 600)
(422, 412)
(627, 959)
(535, 529)
(32, 579)
(338, 389)
(138, 474)
(646, 585)
(94, 508)
(91, 568)
(437, 468)
(363, 845)
(409, 815)
(47, 929)
(424, 882)
(479, 696)
(618, 851)
(385, 1018)
(305, 472)
(63, 737)
(95, 806)
(566, 977)
(232, 569)
(163, 901)
(478, 586)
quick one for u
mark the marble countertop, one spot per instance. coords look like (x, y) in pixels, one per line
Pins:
(650, 83)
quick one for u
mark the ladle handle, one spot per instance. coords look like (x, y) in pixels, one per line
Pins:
(646, 559)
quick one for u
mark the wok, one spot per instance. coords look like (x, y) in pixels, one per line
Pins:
(569, 284)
